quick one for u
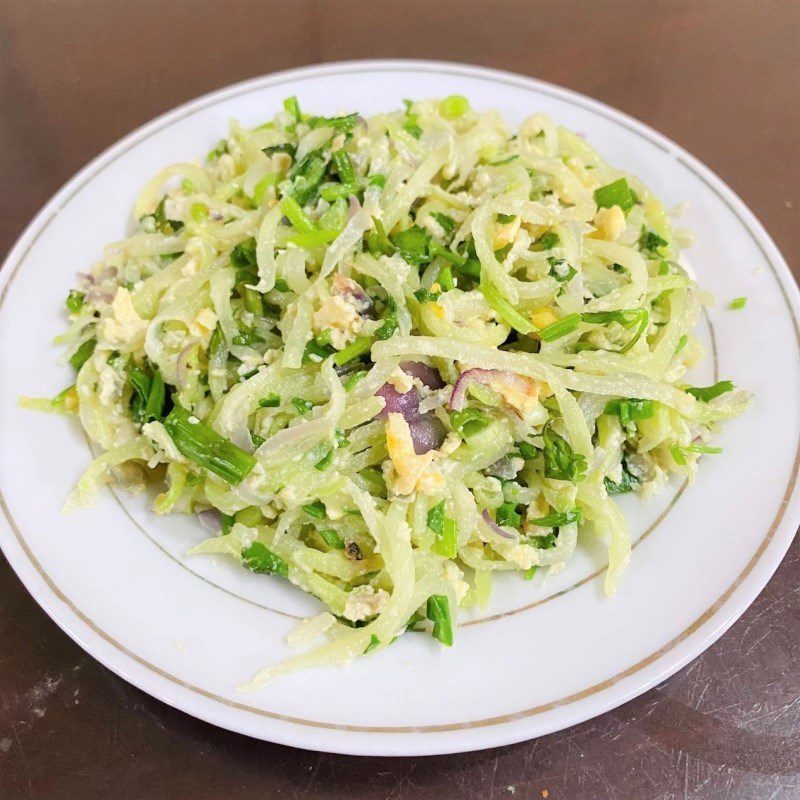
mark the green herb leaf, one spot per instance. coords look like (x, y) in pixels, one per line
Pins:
(707, 393)
(506, 514)
(412, 244)
(650, 242)
(374, 642)
(259, 558)
(438, 611)
(560, 460)
(306, 177)
(435, 518)
(390, 323)
(344, 124)
(736, 304)
(560, 518)
(82, 354)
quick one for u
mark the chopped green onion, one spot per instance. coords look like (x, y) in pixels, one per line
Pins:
(435, 519)
(549, 240)
(629, 410)
(543, 542)
(651, 242)
(303, 406)
(75, 301)
(227, 521)
(617, 193)
(353, 379)
(313, 238)
(446, 542)
(438, 611)
(677, 455)
(259, 558)
(293, 108)
(377, 180)
(560, 270)
(503, 161)
(247, 338)
(344, 124)
(306, 176)
(82, 354)
(426, 295)
(435, 249)
(378, 242)
(374, 642)
(154, 408)
(682, 342)
(203, 445)
(295, 214)
(529, 573)
(738, 302)
(344, 167)
(701, 448)
(469, 421)
(560, 328)
(199, 211)
(445, 279)
(454, 106)
(624, 486)
(314, 352)
(316, 509)
(708, 393)
(336, 191)
(354, 350)
(505, 310)
(332, 539)
(325, 461)
(281, 285)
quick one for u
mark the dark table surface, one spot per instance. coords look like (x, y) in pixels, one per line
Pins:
(721, 78)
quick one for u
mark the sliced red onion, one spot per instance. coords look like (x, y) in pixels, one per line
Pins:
(427, 433)
(486, 377)
(353, 208)
(428, 375)
(406, 404)
(494, 526)
(210, 519)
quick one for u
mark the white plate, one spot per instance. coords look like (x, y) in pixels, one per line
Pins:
(544, 656)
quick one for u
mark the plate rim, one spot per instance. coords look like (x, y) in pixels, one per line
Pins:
(508, 730)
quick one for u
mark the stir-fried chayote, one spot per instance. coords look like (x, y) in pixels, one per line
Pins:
(384, 359)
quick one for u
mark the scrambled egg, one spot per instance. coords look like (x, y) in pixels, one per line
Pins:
(521, 394)
(400, 380)
(203, 325)
(341, 317)
(364, 602)
(610, 223)
(124, 330)
(409, 472)
(576, 166)
(505, 233)
(543, 317)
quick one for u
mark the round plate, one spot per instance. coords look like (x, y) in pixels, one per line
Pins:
(545, 654)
